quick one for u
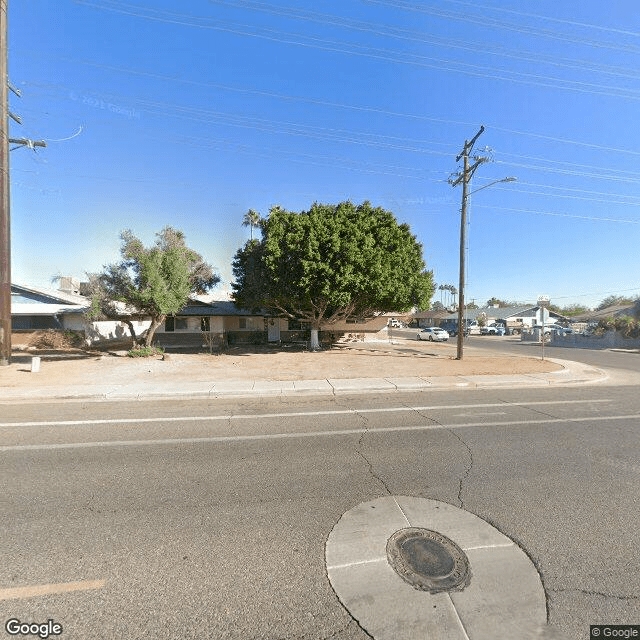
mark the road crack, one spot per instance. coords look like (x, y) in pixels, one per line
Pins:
(360, 444)
(468, 465)
(600, 594)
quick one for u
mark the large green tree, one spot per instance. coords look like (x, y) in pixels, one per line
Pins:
(149, 282)
(331, 263)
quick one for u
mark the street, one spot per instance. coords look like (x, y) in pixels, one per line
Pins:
(208, 518)
(621, 360)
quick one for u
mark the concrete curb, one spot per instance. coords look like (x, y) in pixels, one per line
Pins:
(573, 373)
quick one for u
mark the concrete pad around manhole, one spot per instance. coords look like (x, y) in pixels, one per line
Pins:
(361, 534)
(467, 530)
(504, 593)
(390, 609)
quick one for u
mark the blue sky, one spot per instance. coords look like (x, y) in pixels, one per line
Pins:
(188, 114)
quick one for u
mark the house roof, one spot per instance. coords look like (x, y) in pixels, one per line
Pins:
(614, 310)
(47, 296)
(215, 308)
(43, 309)
(419, 315)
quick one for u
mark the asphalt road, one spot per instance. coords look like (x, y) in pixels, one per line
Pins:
(208, 519)
(607, 358)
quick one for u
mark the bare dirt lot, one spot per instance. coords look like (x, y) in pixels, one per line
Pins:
(406, 358)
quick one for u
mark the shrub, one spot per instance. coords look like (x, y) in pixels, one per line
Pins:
(56, 339)
(626, 325)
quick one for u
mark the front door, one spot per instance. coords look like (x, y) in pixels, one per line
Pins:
(273, 330)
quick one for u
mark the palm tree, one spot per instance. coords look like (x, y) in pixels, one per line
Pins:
(251, 219)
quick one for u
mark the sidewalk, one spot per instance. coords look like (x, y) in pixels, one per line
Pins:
(370, 369)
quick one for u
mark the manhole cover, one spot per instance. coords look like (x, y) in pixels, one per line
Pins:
(428, 561)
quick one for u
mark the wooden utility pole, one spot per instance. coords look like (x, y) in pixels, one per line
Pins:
(5, 228)
(465, 177)
(5, 207)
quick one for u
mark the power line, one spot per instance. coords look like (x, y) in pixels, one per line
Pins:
(569, 172)
(613, 199)
(555, 214)
(507, 26)
(397, 33)
(338, 105)
(549, 18)
(397, 57)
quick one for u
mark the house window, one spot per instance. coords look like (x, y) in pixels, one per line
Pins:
(169, 323)
(298, 325)
(204, 324)
(242, 323)
(181, 324)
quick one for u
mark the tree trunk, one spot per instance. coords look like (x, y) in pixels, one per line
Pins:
(315, 343)
(155, 323)
(134, 338)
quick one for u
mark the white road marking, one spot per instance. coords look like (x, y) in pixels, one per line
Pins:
(16, 593)
(306, 434)
(296, 414)
(358, 562)
(489, 546)
(477, 414)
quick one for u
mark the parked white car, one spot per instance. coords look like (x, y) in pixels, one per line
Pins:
(433, 334)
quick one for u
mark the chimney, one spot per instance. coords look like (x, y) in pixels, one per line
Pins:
(69, 284)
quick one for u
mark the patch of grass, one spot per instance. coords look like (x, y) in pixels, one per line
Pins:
(145, 352)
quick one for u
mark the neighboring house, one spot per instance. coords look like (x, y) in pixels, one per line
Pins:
(431, 318)
(527, 315)
(36, 308)
(615, 311)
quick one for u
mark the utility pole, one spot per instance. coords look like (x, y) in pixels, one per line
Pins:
(5, 215)
(5, 235)
(464, 177)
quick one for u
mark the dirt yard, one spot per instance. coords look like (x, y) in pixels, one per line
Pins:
(408, 358)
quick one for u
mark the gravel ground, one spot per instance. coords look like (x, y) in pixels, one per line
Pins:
(375, 360)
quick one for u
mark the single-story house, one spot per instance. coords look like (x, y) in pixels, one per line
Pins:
(525, 315)
(614, 310)
(430, 318)
(204, 320)
(34, 308)
(212, 321)
(40, 308)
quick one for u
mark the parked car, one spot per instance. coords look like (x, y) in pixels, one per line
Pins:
(547, 328)
(396, 324)
(433, 334)
(453, 331)
(560, 330)
(493, 329)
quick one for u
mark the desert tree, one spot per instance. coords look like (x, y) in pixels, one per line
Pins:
(149, 282)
